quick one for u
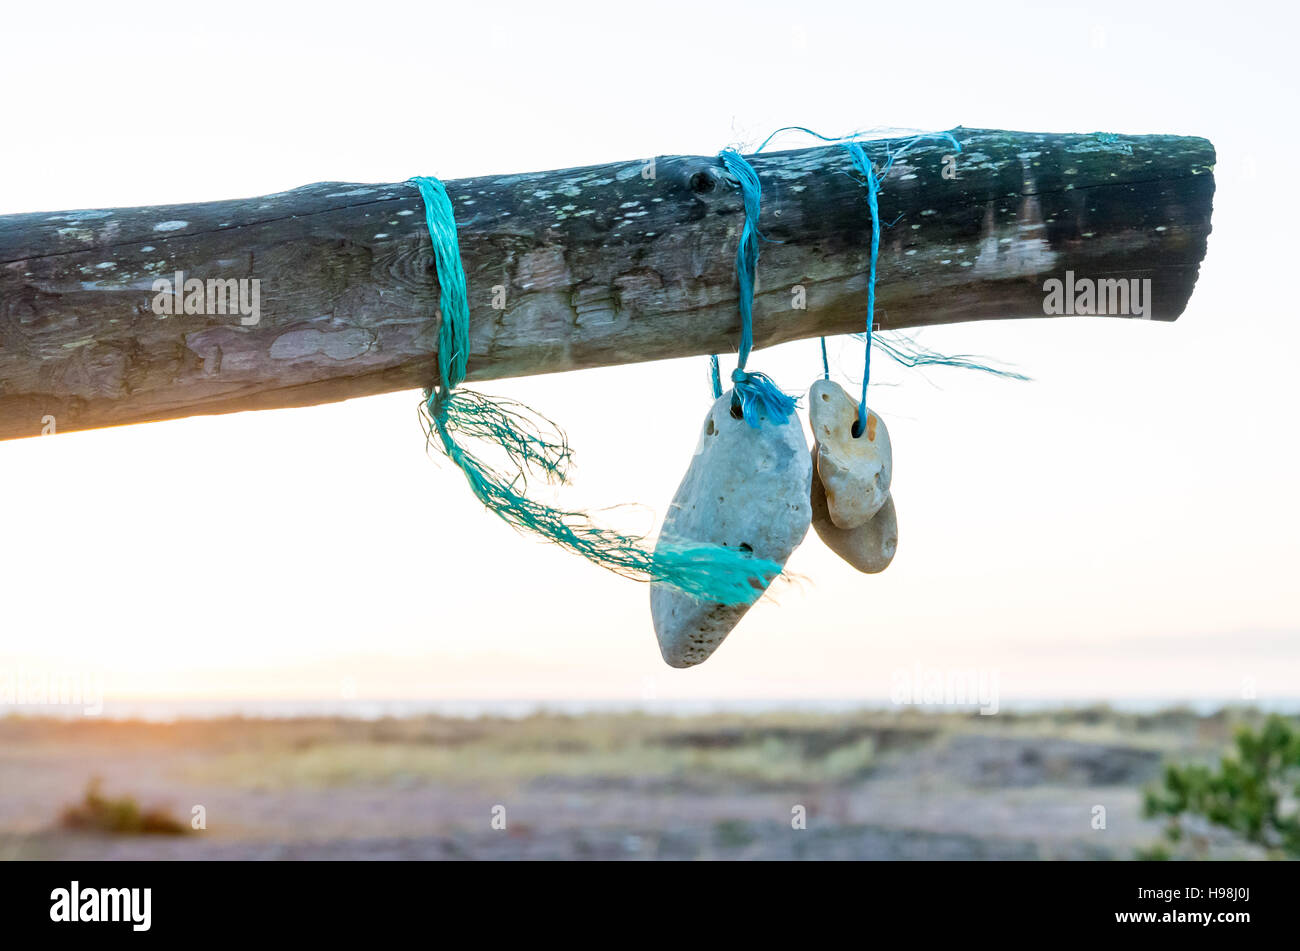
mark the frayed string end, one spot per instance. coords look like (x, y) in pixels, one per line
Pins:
(759, 398)
(908, 352)
(713, 572)
(534, 448)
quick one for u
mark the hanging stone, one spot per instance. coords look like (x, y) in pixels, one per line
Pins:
(748, 488)
(869, 547)
(854, 470)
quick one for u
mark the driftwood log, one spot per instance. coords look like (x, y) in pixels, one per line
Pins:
(567, 269)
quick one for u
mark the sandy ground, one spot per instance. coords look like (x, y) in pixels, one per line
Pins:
(872, 786)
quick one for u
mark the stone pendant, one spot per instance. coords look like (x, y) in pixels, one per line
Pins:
(854, 470)
(746, 488)
(870, 547)
(852, 510)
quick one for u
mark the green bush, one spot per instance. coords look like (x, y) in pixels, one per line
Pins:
(123, 816)
(1246, 795)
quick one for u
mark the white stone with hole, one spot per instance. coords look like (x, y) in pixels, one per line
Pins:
(870, 547)
(854, 470)
(746, 488)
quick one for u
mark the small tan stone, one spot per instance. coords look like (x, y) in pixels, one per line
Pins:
(870, 547)
(854, 470)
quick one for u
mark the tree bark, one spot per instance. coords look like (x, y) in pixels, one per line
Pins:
(577, 268)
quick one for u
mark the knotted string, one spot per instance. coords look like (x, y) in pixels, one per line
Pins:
(756, 394)
(532, 445)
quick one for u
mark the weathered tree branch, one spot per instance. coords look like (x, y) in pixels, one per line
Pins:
(594, 266)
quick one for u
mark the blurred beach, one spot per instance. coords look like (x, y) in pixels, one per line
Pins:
(812, 781)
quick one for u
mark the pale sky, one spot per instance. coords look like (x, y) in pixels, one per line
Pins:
(1123, 526)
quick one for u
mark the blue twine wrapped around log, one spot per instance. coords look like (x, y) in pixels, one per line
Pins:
(900, 348)
(755, 394)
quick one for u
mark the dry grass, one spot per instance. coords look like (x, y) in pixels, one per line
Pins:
(553, 747)
(767, 750)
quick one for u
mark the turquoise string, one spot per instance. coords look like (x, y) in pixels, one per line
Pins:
(863, 164)
(755, 394)
(904, 350)
(453, 334)
(532, 445)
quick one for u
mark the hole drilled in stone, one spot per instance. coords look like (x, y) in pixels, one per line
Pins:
(870, 430)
